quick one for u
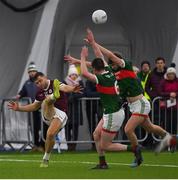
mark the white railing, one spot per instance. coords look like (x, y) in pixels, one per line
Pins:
(84, 114)
(165, 114)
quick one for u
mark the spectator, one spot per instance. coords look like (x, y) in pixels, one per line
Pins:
(155, 77)
(152, 87)
(169, 90)
(29, 89)
(74, 114)
(143, 75)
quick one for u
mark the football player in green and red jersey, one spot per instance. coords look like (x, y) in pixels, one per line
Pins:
(113, 115)
(139, 106)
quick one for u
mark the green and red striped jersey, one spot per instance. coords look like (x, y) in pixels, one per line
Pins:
(128, 82)
(108, 89)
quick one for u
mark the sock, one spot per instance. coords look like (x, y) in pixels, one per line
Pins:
(46, 156)
(102, 160)
(132, 148)
(174, 140)
(129, 148)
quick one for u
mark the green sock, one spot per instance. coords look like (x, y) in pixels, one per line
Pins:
(102, 160)
(129, 148)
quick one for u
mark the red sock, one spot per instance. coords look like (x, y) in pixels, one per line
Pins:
(173, 141)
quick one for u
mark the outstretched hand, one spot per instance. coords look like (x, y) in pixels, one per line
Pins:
(78, 89)
(13, 105)
(70, 59)
(90, 37)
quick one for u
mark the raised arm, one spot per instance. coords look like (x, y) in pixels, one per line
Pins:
(68, 88)
(84, 69)
(110, 55)
(73, 60)
(91, 40)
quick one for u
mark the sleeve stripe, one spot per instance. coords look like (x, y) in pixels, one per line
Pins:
(97, 82)
(123, 63)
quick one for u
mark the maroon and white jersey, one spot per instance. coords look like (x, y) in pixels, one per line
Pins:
(60, 103)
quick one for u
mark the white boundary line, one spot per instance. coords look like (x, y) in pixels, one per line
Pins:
(87, 162)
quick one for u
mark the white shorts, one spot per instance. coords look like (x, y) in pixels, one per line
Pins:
(141, 106)
(113, 121)
(61, 115)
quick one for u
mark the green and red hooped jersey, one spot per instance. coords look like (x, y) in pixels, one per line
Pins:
(128, 82)
(106, 85)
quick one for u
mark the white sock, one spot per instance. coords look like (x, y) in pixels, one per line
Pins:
(46, 156)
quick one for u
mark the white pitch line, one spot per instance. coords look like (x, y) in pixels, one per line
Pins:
(21, 155)
(87, 162)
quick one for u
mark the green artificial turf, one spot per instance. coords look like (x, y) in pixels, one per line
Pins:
(71, 165)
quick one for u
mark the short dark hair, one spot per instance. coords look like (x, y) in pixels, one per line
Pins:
(37, 75)
(160, 58)
(98, 64)
(145, 62)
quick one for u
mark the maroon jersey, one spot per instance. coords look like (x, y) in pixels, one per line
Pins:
(60, 103)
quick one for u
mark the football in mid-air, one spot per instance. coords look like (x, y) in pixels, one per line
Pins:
(99, 16)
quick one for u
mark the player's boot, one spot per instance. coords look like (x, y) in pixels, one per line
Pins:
(56, 87)
(165, 142)
(101, 166)
(44, 164)
(138, 157)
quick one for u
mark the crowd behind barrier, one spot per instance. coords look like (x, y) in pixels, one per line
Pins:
(17, 127)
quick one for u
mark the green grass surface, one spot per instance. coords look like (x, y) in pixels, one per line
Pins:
(78, 165)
